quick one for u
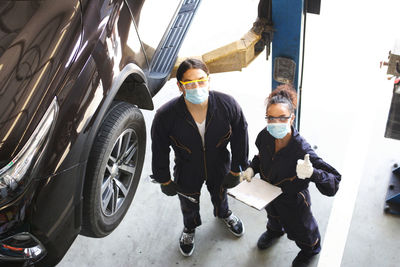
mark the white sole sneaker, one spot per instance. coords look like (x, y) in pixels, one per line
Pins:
(187, 239)
(230, 228)
(187, 254)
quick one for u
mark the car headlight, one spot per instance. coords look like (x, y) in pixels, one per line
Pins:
(14, 176)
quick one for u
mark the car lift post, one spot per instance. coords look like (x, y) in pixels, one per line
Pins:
(287, 21)
(288, 18)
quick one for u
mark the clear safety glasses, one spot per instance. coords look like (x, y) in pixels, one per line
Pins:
(194, 84)
(279, 119)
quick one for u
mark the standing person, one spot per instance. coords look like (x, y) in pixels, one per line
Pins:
(198, 125)
(280, 162)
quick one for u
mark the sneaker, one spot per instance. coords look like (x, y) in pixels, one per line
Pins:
(234, 224)
(267, 238)
(186, 242)
(302, 259)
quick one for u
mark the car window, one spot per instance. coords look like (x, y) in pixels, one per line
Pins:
(153, 19)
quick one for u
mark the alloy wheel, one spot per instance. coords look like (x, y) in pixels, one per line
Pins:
(119, 172)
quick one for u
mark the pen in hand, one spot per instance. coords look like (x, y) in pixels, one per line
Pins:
(247, 174)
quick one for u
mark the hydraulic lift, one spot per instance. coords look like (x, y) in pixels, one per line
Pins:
(280, 24)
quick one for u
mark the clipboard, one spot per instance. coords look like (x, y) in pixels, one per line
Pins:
(257, 193)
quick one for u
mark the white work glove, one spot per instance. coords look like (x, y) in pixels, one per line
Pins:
(247, 175)
(304, 168)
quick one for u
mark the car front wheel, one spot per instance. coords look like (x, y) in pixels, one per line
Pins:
(113, 170)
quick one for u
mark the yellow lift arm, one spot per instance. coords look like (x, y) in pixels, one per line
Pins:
(231, 57)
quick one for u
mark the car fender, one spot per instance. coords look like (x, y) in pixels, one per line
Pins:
(129, 85)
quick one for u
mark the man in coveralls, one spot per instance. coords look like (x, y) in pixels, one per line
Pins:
(198, 126)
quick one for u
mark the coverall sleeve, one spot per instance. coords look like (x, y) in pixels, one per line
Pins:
(160, 150)
(255, 162)
(325, 177)
(239, 140)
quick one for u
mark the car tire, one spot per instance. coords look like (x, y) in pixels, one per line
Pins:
(113, 169)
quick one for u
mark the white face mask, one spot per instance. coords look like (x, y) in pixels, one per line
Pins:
(197, 95)
(278, 130)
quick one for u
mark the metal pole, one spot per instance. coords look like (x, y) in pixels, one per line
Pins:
(287, 16)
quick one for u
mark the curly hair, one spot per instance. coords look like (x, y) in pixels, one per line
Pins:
(284, 93)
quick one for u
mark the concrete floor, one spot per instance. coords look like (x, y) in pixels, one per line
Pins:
(345, 104)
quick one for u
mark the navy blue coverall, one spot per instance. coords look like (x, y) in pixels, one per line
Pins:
(195, 163)
(291, 211)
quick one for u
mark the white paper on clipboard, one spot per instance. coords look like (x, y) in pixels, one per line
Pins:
(257, 193)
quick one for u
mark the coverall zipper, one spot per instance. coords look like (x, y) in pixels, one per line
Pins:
(262, 171)
(269, 174)
(203, 145)
(270, 170)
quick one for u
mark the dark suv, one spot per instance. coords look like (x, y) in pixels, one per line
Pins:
(74, 75)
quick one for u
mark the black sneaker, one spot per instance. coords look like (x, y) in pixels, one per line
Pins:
(186, 242)
(302, 259)
(267, 238)
(234, 224)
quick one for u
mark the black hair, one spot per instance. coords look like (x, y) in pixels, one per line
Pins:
(284, 94)
(190, 63)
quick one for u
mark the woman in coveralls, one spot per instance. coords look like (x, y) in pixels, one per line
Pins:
(280, 162)
(198, 125)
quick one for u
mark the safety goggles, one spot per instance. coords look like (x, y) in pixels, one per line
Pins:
(193, 84)
(280, 118)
